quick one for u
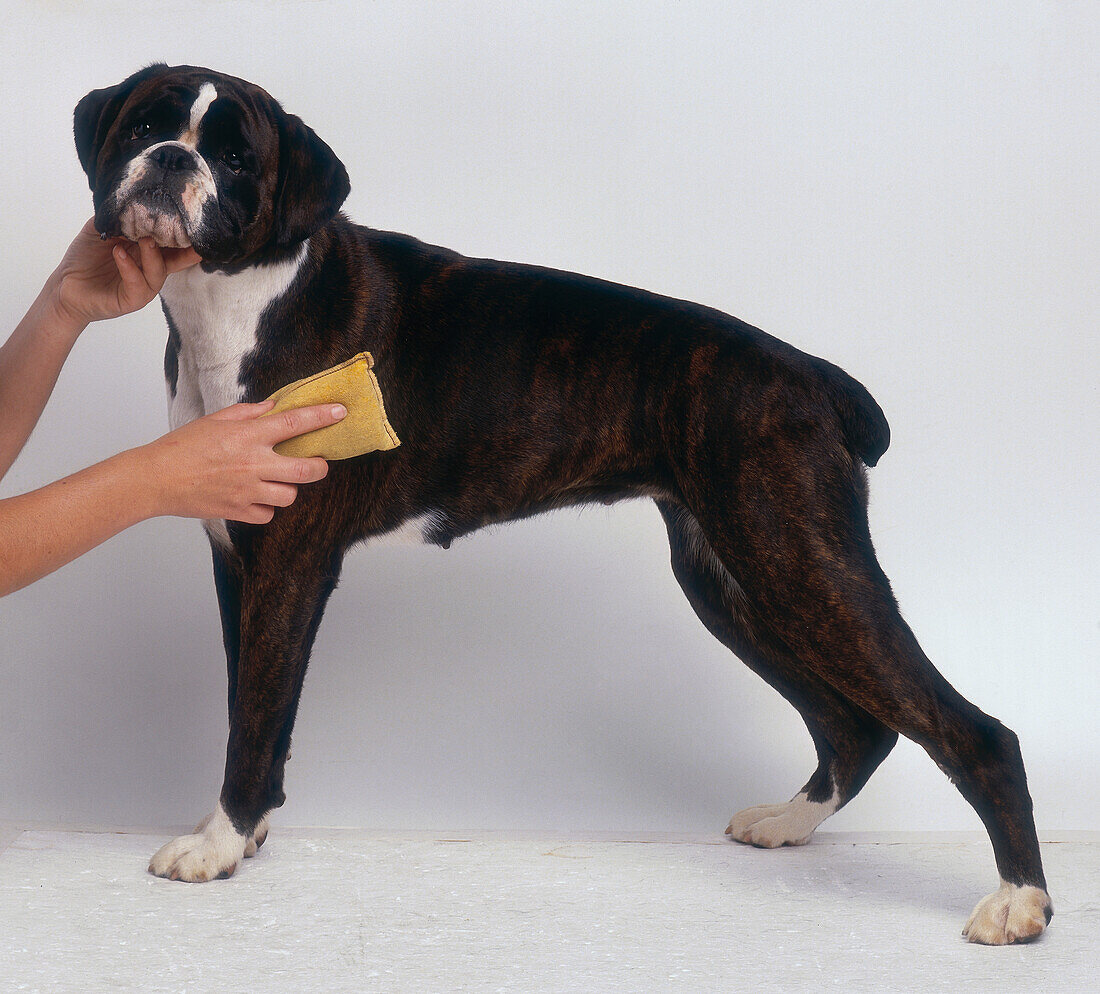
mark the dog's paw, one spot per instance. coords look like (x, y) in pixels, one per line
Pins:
(259, 836)
(1010, 914)
(213, 852)
(770, 826)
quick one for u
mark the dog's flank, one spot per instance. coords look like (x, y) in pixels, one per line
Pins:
(514, 390)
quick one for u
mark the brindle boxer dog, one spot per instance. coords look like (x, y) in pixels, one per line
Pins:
(515, 390)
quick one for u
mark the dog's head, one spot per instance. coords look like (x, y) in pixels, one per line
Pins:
(195, 157)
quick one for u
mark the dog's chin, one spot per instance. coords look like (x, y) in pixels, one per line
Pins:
(164, 226)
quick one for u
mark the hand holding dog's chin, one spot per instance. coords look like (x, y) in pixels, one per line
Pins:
(99, 279)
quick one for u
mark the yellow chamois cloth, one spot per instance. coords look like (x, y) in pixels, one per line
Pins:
(364, 429)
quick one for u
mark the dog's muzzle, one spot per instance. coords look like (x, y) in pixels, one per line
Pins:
(163, 193)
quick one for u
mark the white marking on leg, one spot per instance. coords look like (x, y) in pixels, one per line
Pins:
(217, 316)
(218, 530)
(770, 826)
(1009, 914)
(259, 836)
(214, 851)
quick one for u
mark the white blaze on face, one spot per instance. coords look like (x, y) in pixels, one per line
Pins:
(207, 95)
(169, 229)
(200, 187)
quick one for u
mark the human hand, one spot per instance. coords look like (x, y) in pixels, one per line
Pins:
(99, 278)
(224, 466)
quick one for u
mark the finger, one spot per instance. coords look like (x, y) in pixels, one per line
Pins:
(293, 469)
(298, 421)
(279, 494)
(243, 412)
(152, 264)
(128, 269)
(257, 514)
(177, 259)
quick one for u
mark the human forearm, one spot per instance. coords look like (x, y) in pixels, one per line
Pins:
(30, 361)
(42, 530)
(220, 466)
(95, 280)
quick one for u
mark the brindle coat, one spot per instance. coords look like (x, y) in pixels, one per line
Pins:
(516, 389)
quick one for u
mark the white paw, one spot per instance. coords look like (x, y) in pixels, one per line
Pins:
(259, 836)
(212, 852)
(770, 826)
(1010, 914)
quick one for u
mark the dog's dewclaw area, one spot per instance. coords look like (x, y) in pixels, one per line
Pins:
(347, 911)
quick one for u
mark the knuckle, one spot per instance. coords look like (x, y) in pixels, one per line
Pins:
(310, 470)
(294, 422)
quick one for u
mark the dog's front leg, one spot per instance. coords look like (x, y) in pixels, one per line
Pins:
(285, 580)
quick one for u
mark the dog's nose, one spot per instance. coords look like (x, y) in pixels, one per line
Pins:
(172, 158)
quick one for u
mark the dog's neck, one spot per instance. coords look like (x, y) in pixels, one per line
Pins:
(216, 316)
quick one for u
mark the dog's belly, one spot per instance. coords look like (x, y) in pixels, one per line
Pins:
(416, 530)
(216, 317)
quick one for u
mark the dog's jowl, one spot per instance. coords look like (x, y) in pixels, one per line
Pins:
(516, 389)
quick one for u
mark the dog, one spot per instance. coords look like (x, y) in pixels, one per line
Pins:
(515, 390)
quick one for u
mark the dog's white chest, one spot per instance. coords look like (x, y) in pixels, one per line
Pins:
(217, 316)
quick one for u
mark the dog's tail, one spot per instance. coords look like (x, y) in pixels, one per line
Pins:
(866, 429)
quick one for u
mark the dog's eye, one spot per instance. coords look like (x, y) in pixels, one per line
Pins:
(140, 130)
(233, 161)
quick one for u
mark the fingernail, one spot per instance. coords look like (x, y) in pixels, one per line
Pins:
(338, 411)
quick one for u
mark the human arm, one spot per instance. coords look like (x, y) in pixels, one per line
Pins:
(96, 279)
(220, 466)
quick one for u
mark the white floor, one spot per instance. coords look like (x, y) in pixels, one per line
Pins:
(335, 911)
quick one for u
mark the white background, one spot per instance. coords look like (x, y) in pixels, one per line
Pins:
(906, 189)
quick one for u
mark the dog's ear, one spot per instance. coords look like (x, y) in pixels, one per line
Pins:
(95, 114)
(313, 183)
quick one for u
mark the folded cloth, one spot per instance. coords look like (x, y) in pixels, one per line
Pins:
(364, 429)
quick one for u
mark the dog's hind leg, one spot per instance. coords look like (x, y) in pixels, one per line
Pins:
(285, 579)
(800, 546)
(850, 743)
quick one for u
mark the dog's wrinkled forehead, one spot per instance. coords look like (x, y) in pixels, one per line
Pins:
(196, 109)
